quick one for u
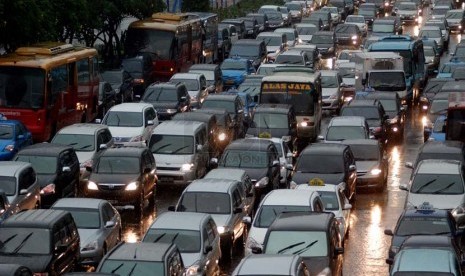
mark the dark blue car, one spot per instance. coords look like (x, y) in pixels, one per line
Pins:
(234, 71)
(13, 137)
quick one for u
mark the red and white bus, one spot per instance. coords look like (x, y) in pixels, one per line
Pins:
(174, 41)
(48, 86)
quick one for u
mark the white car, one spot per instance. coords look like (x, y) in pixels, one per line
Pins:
(334, 200)
(335, 15)
(358, 20)
(131, 122)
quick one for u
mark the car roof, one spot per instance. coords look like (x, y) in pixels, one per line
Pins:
(270, 34)
(273, 108)
(179, 220)
(290, 197)
(324, 148)
(302, 221)
(193, 116)
(171, 85)
(347, 121)
(305, 25)
(439, 166)
(37, 218)
(188, 76)
(324, 33)
(131, 107)
(45, 149)
(211, 185)
(327, 187)
(269, 264)
(82, 128)
(180, 127)
(442, 147)
(11, 168)
(249, 144)
(142, 251)
(248, 42)
(292, 52)
(123, 151)
(226, 173)
(284, 30)
(222, 97)
(79, 202)
(363, 103)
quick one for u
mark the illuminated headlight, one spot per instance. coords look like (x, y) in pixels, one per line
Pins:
(354, 37)
(300, 40)
(92, 186)
(186, 167)
(222, 229)
(171, 111)
(49, 189)
(137, 138)
(93, 245)
(424, 107)
(262, 182)
(375, 171)
(132, 186)
(222, 136)
(460, 26)
(304, 124)
(395, 129)
(194, 98)
(193, 270)
(9, 148)
(386, 4)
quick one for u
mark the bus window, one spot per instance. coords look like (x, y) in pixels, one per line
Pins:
(83, 72)
(59, 79)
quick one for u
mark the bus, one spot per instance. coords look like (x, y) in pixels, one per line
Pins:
(304, 93)
(173, 40)
(48, 86)
(455, 121)
(414, 60)
(209, 35)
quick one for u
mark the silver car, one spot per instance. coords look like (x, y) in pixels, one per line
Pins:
(19, 183)
(272, 264)
(98, 223)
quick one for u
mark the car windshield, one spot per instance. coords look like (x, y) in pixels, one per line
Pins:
(389, 104)
(264, 70)
(113, 77)
(322, 164)
(191, 85)
(85, 218)
(322, 39)
(365, 152)
(423, 226)
(329, 82)
(246, 51)
(245, 159)
(430, 33)
(271, 40)
(339, 133)
(391, 81)
(205, 202)
(450, 68)
(24, 241)
(234, 65)
(171, 144)
(346, 28)
(80, 142)
(123, 119)
(160, 94)
(439, 125)
(307, 30)
(330, 9)
(426, 183)
(270, 120)
(228, 105)
(369, 112)
(8, 185)
(355, 19)
(188, 241)
(41, 164)
(433, 87)
(303, 243)
(439, 105)
(6, 132)
(267, 213)
(209, 75)
(290, 59)
(132, 267)
(330, 200)
(454, 14)
(367, 12)
(383, 28)
(118, 165)
(250, 87)
(441, 11)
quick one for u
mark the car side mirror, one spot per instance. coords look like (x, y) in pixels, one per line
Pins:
(23, 191)
(409, 165)
(257, 250)
(214, 162)
(247, 220)
(103, 147)
(237, 210)
(388, 232)
(320, 138)
(207, 249)
(110, 224)
(172, 208)
(66, 169)
(352, 168)
(21, 136)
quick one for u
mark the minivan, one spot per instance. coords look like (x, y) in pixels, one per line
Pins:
(46, 241)
(251, 49)
(181, 150)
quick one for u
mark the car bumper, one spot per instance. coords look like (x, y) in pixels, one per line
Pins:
(91, 257)
(116, 197)
(330, 104)
(180, 178)
(6, 155)
(369, 181)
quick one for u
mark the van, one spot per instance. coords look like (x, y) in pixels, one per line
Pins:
(46, 241)
(251, 49)
(181, 150)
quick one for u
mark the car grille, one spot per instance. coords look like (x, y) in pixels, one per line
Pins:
(168, 168)
(111, 186)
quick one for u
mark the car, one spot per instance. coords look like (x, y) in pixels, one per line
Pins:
(251, 86)
(408, 12)
(222, 199)
(350, 75)
(98, 224)
(334, 201)
(347, 55)
(259, 158)
(294, 57)
(296, 11)
(292, 35)
(274, 203)
(20, 184)
(279, 265)
(326, 43)
(274, 120)
(196, 85)
(226, 132)
(430, 42)
(130, 122)
(247, 101)
(143, 259)
(313, 54)
(372, 163)
(437, 132)
(106, 98)
(168, 99)
(434, 255)
(235, 107)
(13, 136)
(275, 19)
(122, 82)
(456, 20)
(437, 181)
(425, 220)
(234, 71)
(433, 32)
(386, 26)
(86, 139)
(315, 20)
(46, 241)
(140, 68)
(253, 50)
(195, 235)
(437, 106)
(444, 26)
(332, 163)
(447, 68)
(432, 59)
(325, 16)
(275, 44)
(57, 170)
(335, 15)
(251, 27)
(331, 91)
(453, 150)
(15, 269)
(433, 86)
(224, 41)
(286, 14)
(213, 75)
(358, 20)
(123, 176)
(6, 209)
(369, 14)
(262, 21)
(346, 127)
(348, 34)
(313, 236)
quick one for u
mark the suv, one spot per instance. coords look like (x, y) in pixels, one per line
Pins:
(131, 122)
(293, 57)
(224, 201)
(375, 115)
(125, 175)
(348, 34)
(57, 169)
(250, 49)
(196, 85)
(46, 241)
(162, 259)
(168, 99)
(181, 149)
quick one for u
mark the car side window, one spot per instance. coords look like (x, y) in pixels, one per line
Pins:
(150, 114)
(201, 137)
(107, 213)
(66, 160)
(27, 178)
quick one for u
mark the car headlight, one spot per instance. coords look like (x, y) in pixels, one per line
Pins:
(304, 124)
(9, 148)
(354, 37)
(171, 111)
(90, 246)
(222, 136)
(49, 189)
(375, 171)
(262, 182)
(193, 270)
(137, 138)
(222, 229)
(132, 186)
(186, 167)
(92, 186)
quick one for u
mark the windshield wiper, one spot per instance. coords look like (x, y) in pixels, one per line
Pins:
(118, 267)
(425, 185)
(305, 248)
(4, 133)
(23, 242)
(2, 243)
(181, 148)
(445, 188)
(132, 269)
(174, 237)
(289, 247)
(162, 147)
(266, 123)
(72, 144)
(159, 238)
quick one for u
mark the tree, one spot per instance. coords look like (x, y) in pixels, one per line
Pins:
(195, 5)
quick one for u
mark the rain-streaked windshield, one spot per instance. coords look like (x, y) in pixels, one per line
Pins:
(245, 159)
(188, 241)
(303, 243)
(424, 183)
(324, 164)
(339, 133)
(365, 152)
(267, 213)
(85, 218)
(160, 94)
(191, 84)
(271, 40)
(123, 119)
(6, 132)
(118, 165)
(423, 225)
(270, 120)
(24, 241)
(80, 142)
(205, 202)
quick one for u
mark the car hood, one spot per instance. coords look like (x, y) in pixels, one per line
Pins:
(438, 200)
(221, 219)
(305, 37)
(190, 258)
(37, 263)
(275, 132)
(84, 155)
(173, 160)
(274, 21)
(326, 92)
(233, 73)
(316, 264)
(300, 177)
(164, 105)
(113, 178)
(365, 166)
(45, 179)
(87, 235)
(256, 173)
(125, 131)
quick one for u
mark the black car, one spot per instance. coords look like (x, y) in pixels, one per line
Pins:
(275, 19)
(259, 158)
(225, 131)
(15, 270)
(168, 99)
(453, 150)
(262, 20)
(425, 220)
(224, 42)
(106, 98)
(386, 26)
(141, 70)
(251, 27)
(122, 82)
(325, 16)
(330, 162)
(325, 41)
(213, 75)
(348, 34)
(57, 169)
(123, 176)
(369, 14)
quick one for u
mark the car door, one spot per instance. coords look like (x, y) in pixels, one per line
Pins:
(65, 176)
(351, 178)
(111, 234)
(275, 170)
(342, 202)
(203, 89)
(27, 181)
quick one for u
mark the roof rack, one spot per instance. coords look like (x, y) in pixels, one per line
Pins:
(45, 49)
(165, 16)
